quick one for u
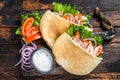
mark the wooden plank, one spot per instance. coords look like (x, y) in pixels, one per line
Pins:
(11, 13)
(111, 60)
(109, 64)
(82, 4)
(104, 5)
(113, 22)
(8, 35)
(113, 16)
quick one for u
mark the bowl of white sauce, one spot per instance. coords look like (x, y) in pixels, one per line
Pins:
(42, 60)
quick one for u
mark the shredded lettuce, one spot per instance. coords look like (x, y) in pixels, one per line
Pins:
(35, 15)
(85, 32)
(18, 31)
(98, 39)
(64, 8)
(71, 30)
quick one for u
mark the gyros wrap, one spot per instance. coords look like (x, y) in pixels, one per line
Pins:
(72, 57)
(52, 26)
(68, 54)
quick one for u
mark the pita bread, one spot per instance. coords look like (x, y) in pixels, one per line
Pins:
(72, 57)
(52, 26)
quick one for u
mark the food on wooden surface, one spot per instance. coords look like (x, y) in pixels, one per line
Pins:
(43, 60)
(83, 35)
(29, 29)
(26, 52)
(75, 59)
(78, 51)
(53, 24)
(69, 35)
(70, 13)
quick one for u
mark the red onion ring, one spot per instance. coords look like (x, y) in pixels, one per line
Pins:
(72, 19)
(26, 52)
(92, 39)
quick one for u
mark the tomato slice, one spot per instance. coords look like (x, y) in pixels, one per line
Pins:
(100, 48)
(86, 43)
(33, 37)
(27, 24)
(77, 35)
(69, 17)
(66, 17)
(31, 31)
(78, 16)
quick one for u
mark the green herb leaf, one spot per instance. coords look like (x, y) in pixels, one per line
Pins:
(85, 32)
(18, 31)
(98, 39)
(64, 8)
(35, 15)
(71, 30)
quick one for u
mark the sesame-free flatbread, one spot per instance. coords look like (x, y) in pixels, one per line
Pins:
(72, 57)
(52, 26)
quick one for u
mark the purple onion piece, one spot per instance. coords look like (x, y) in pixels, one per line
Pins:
(26, 52)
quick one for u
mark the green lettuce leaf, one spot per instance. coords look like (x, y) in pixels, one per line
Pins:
(85, 32)
(64, 8)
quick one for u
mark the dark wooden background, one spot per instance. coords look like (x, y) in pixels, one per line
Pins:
(10, 11)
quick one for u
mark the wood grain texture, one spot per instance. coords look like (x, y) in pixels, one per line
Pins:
(10, 11)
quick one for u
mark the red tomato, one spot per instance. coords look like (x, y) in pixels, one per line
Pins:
(77, 16)
(66, 17)
(29, 31)
(100, 48)
(69, 17)
(27, 24)
(33, 37)
(32, 30)
(77, 35)
(86, 43)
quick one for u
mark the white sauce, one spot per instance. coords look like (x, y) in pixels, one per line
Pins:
(43, 60)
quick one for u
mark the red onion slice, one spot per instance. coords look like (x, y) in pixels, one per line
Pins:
(26, 52)
(72, 19)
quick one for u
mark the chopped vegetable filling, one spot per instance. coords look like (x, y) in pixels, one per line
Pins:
(83, 35)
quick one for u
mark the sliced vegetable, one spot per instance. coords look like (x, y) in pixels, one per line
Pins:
(98, 50)
(69, 17)
(64, 8)
(78, 16)
(33, 37)
(27, 25)
(26, 52)
(85, 32)
(86, 43)
(77, 35)
(66, 17)
(31, 31)
(36, 15)
(92, 40)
